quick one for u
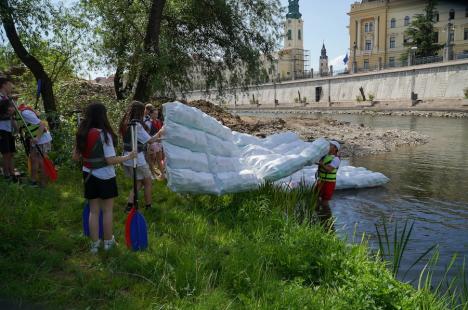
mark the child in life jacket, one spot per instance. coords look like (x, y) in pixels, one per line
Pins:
(95, 142)
(155, 153)
(136, 112)
(38, 137)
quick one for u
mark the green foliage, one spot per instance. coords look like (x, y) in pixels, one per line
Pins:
(371, 97)
(421, 33)
(465, 92)
(240, 251)
(209, 38)
(359, 98)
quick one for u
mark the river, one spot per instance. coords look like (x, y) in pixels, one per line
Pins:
(429, 185)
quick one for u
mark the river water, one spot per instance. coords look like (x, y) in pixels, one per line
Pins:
(429, 185)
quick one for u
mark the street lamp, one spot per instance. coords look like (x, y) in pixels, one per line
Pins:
(412, 58)
(354, 57)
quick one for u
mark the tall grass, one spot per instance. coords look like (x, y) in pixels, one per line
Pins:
(452, 292)
(237, 251)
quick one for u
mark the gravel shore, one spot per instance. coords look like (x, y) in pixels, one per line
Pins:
(358, 140)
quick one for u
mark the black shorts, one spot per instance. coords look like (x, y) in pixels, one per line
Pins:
(96, 188)
(7, 142)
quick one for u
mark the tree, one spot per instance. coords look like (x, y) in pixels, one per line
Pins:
(158, 47)
(421, 32)
(8, 14)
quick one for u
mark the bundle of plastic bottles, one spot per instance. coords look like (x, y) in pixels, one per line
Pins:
(203, 156)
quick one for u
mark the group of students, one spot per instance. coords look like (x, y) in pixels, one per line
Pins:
(24, 121)
(95, 147)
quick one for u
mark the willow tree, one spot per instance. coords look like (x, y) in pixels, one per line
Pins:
(158, 45)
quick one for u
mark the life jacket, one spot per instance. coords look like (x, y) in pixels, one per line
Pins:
(156, 126)
(127, 142)
(93, 156)
(323, 174)
(33, 128)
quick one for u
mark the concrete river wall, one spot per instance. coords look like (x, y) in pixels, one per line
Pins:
(436, 85)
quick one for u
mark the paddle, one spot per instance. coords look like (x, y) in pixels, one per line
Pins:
(136, 234)
(85, 215)
(49, 168)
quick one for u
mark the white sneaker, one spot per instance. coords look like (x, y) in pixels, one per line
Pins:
(95, 245)
(109, 244)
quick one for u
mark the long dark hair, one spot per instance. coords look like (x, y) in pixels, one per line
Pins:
(135, 111)
(95, 117)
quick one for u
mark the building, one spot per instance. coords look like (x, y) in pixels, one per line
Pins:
(323, 71)
(292, 60)
(377, 31)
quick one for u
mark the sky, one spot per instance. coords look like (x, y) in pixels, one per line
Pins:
(325, 22)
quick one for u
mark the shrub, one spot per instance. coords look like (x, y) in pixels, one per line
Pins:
(371, 97)
(465, 91)
(358, 98)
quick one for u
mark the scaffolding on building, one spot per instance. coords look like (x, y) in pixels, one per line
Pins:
(300, 59)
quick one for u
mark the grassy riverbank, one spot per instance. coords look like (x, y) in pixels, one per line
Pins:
(229, 252)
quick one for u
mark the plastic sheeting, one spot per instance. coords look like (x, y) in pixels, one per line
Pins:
(203, 156)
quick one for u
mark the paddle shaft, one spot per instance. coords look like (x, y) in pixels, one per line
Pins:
(135, 160)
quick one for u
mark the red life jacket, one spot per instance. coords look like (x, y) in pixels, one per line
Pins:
(156, 125)
(93, 156)
(22, 107)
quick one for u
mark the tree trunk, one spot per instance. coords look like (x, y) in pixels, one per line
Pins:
(31, 62)
(151, 49)
(118, 83)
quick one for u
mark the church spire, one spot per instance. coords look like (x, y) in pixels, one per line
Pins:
(293, 10)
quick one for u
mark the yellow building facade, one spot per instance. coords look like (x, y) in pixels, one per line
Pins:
(377, 31)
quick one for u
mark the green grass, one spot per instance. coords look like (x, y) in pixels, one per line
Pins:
(242, 251)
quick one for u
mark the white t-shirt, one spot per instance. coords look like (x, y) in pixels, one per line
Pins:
(335, 162)
(6, 125)
(107, 172)
(31, 118)
(142, 137)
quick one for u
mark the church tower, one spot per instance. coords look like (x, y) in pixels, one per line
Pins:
(291, 65)
(323, 62)
(293, 27)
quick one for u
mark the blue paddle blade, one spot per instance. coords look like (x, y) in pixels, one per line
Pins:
(85, 216)
(138, 232)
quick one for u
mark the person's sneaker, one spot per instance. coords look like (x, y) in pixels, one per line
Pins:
(109, 244)
(95, 245)
(33, 184)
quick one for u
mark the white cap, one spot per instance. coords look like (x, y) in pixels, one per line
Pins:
(336, 144)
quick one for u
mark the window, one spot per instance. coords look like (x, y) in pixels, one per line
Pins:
(366, 64)
(289, 34)
(368, 45)
(392, 42)
(436, 16)
(465, 36)
(452, 14)
(299, 34)
(407, 20)
(371, 27)
(436, 37)
(366, 27)
(391, 62)
(393, 23)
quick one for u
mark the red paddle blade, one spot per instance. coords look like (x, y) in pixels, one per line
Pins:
(50, 170)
